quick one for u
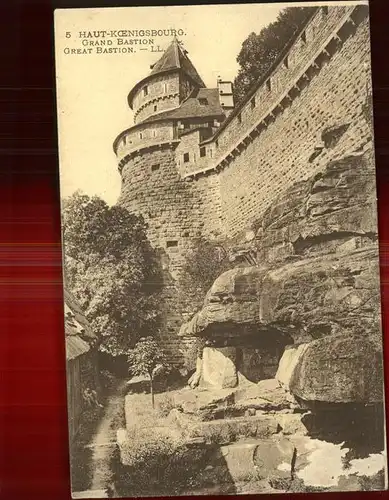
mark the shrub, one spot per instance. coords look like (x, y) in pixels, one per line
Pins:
(157, 461)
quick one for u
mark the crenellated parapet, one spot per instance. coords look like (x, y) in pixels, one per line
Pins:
(300, 62)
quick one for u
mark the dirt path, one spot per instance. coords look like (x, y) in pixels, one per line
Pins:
(104, 441)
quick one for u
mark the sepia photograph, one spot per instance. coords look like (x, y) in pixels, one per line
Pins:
(220, 250)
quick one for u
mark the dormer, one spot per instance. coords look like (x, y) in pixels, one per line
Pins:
(226, 95)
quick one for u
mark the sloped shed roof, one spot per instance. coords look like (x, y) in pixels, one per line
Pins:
(79, 334)
(192, 107)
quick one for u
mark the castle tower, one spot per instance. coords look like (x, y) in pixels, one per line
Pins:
(171, 80)
(173, 113)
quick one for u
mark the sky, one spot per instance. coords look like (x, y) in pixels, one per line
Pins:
(92, 88)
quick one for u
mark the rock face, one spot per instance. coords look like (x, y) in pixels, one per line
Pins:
(339, 370)
(231, 302)
(315, 285)
(308, 299)
(219, 367)
(331, 208)
(288, 363)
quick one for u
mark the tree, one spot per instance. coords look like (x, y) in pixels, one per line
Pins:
(146, 356)
(260, 51)
(112, 270)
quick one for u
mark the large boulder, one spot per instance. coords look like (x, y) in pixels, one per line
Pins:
(323, 212)
(232, 301)
(339, 369)
(219, 367)
(322, 296)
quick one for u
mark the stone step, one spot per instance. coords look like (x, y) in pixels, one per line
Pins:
(90, 494)
(100, 445)
(228, 430)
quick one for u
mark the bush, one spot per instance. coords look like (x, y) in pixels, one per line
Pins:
(157, 462)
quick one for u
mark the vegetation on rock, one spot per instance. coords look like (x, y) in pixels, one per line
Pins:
(203, 264)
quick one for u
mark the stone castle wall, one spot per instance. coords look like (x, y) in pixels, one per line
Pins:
(311, 111)
(284, 151)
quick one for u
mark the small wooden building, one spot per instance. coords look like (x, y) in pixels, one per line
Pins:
(81, 362)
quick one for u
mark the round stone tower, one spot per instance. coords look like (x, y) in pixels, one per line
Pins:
(168, 103)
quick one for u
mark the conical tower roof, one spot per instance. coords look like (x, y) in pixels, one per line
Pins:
(174, 58)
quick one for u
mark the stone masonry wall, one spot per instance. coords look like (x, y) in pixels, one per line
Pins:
(282, 154)
(177, 212)
(162, 91)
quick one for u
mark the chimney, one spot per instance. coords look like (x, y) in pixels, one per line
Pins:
(226, 95)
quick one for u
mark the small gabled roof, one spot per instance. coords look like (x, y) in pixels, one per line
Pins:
(174, 58)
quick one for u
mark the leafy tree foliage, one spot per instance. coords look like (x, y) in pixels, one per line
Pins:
(146, 356)
(260, 51)
(111, 269)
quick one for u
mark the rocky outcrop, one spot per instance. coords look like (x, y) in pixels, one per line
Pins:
(315, 285)
(335, 369)
(305, 300)
(339, 370)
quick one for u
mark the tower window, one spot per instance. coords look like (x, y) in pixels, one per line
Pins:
(268, 84)
(304, 37)
(145, 91)
(165, 87)
(186, 157)
(240, 117)
(253, 103)
(140, 135)
(203, 101)
(155, 167)
(155, 108)
(171, 244)
(202, 152)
